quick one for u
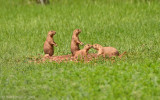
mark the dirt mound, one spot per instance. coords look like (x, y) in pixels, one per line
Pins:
(62, 58)
(65, 58)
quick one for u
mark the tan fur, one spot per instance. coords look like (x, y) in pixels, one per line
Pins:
(49, 43)
(83, 52)
(75, 41)
(107, 51)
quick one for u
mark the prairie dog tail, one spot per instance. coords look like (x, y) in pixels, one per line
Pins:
(120, 56)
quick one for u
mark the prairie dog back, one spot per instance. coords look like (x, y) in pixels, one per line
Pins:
(84, 51)
(109, 51)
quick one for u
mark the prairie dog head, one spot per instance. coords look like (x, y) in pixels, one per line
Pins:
(76, 31)
(88, 46)
(51, 33)
(97, 46)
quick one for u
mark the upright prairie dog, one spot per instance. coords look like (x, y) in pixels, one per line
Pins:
(49, 43)
(84, 51)
(75, 41)
(109, 51)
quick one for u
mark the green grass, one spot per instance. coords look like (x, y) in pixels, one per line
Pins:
(128, 26)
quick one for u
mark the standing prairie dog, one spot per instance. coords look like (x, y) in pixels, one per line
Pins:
(75, 41)
(49, 43)
(84, 51)
(109, 51)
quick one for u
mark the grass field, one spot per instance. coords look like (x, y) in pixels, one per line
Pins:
(128, 26)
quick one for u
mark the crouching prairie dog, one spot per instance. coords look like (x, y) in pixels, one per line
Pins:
(107, 51)
(75, 41)
(49, 43)
(83, 52)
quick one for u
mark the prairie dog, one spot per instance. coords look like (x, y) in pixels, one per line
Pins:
(75, 41)
(49, 43)
(84, 51)
(109, 51)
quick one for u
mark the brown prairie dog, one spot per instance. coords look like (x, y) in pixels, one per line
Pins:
(109, 51)
(75, 41)
(49, 43)
(84, 51)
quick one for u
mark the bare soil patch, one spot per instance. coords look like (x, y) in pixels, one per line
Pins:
(62, 58)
